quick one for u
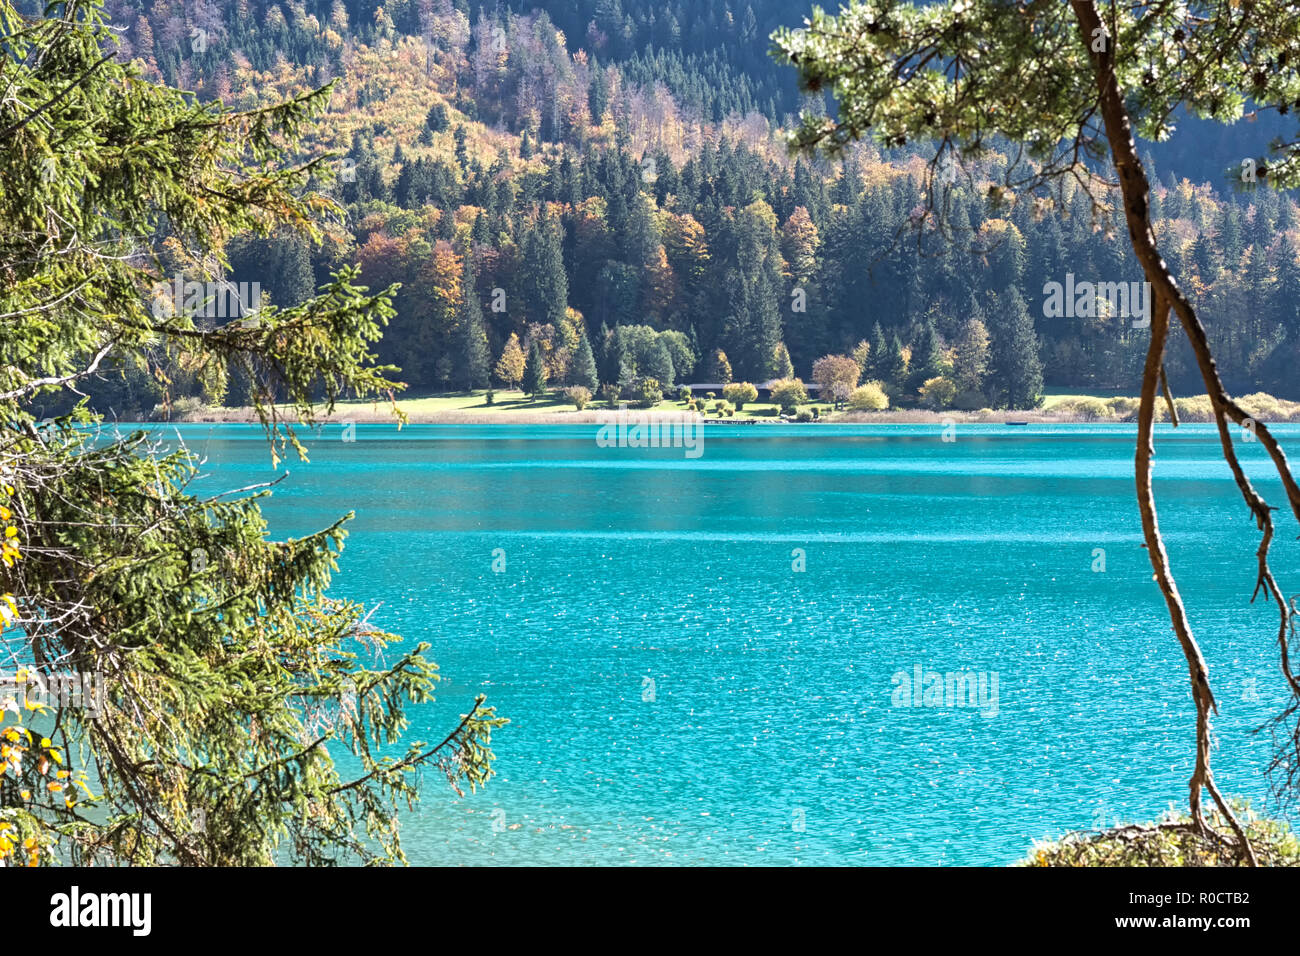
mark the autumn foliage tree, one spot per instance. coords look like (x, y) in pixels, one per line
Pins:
(837, 375)
(509, 369)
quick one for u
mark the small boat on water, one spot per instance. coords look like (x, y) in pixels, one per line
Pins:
(1015, 423)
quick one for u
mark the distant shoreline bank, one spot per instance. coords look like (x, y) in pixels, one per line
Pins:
(472, 410)
(468, 409)
(603, 415)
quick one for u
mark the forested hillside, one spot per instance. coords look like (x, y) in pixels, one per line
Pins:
(606, 183)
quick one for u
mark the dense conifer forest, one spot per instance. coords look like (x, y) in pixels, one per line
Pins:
(607, 182)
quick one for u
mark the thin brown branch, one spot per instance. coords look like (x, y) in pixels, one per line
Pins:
(39, 383)
(1135, 190)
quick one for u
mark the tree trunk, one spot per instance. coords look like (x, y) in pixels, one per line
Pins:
(1135, 190)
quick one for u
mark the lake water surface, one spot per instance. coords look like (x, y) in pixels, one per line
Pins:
(680, 692)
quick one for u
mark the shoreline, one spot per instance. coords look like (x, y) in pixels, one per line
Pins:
(462, 410)
(603, 415)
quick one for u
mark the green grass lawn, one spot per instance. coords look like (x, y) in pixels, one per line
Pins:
(520, 404)
(477, 402)
(510, 406)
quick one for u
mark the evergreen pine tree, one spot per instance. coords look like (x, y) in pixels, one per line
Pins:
(479, 234)
(876, 357)
(894, 368)
(216, 650)
(598, 92)
(1017, 378)
(613, 356)
(927, 355)
(280, 265)
(583, 369)
(1287, 298)
(782, 366)
(462, 154)
(475, 357)
(545, 282)
(436, 121)
(599, 347)
(535, 371)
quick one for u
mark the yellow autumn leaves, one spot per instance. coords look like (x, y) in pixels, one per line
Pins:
(9, 553)
(17, 742)
(19, 746)
(20, 749)
(12, 749)
(9, 838)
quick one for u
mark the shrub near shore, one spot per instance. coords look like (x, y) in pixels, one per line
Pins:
(1171, 841)
(1264, 407)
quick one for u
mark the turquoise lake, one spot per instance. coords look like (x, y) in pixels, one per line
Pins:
(680, 693)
